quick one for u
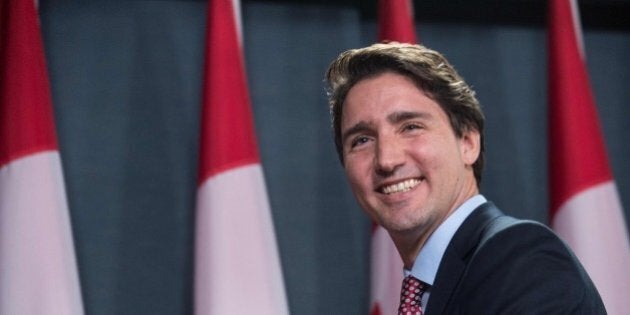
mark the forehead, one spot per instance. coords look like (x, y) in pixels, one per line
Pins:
(381, 96)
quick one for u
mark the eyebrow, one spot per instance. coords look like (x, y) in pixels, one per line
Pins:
(398, 117)
(393, 118)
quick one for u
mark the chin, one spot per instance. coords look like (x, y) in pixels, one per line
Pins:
(399, 226)
(404, 223)
(401, 229)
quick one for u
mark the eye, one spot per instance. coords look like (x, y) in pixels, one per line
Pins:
(360, 140)
(411, 127)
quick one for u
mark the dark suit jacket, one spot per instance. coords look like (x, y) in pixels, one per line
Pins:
(496, 264)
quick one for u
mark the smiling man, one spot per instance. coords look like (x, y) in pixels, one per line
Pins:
(409, 133)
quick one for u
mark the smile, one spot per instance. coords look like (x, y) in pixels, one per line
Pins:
(400, 187)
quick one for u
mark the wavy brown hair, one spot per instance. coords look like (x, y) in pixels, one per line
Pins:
(428, 69)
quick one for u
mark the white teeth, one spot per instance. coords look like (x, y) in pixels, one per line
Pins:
(401, 187)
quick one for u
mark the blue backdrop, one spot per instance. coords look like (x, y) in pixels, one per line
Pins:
(126, 83)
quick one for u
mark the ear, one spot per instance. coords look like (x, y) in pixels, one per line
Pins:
(470, 146)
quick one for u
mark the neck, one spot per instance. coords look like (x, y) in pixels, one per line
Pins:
(408, 247)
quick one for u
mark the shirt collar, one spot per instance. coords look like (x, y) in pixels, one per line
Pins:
(428, 260)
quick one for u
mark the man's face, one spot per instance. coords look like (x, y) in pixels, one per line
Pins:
(406, 167)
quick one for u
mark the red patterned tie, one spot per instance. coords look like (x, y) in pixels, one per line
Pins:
(410, 296)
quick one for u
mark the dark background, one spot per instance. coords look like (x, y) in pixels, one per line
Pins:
(126, 79)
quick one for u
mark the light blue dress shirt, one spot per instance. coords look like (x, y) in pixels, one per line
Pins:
(426, 265)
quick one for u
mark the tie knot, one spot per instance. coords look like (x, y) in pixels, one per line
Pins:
(411, 296)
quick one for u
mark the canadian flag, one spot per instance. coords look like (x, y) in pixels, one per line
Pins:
(237, 267)
(38, 268)
(585, 207)
(395, 23)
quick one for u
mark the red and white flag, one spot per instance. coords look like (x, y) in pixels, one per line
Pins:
(585, 206)
(38, 268)
(395, 23)
(237, 267)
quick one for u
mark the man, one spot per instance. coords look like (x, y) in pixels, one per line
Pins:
(409, 133)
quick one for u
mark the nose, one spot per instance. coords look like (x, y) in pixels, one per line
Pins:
(389, 156)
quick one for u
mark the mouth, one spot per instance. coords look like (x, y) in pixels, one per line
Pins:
(400, 187)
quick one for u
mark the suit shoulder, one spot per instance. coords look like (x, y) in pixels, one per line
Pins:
(514, 240)
(505, 229)
(530, 265)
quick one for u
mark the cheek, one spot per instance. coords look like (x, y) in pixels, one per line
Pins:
(424, 152)
(435, 156)
(358, 174)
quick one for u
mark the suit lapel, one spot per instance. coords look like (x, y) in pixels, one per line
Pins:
(457, 256)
